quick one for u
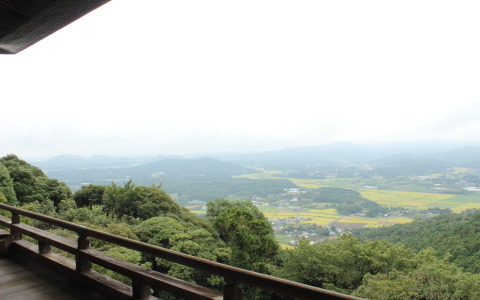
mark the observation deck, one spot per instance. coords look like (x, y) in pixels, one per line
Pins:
(22, 278)
(30, 268)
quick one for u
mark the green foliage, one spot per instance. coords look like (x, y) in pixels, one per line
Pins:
(46, 207)
(89, 195)
(137, 202)
(6, 186)
(124, 254)
(218, 206)
(378, 270)
(340, 265)
(249, 236)
(31, 184)
(432, 279)
(90, 216)
(393, 286)
(246, 231)
(186, 237)
(208, 188)
(158, 230)
(454, 234)
(346, 201)
(54, 189)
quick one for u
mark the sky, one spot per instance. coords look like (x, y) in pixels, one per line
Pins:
(181, 77)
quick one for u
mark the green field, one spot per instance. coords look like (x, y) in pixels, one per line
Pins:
(330, 217)
(408, 195)
(401, 194)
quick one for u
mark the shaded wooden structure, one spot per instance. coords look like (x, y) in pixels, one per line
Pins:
(25, 22)
(23, 278)
(80, 270)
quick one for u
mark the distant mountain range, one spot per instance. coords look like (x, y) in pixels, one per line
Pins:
(391, 159)
(432, 156)
(114, 169)
(189, 179)
(441, 153)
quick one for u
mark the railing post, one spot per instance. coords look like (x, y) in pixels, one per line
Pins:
(43, 248)
(82, 263)
(140, 290)
(232, 290)
(14, 231)
(5, 242)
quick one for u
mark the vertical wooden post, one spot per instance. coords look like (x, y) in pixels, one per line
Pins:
(232, 290)
(5, 242)
(140, 290)
(14, 231)
(43, 247)
(82, 263)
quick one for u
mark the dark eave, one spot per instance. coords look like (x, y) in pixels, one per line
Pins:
(25, 22)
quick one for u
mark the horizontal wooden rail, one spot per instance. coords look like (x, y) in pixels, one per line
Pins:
(143, 278)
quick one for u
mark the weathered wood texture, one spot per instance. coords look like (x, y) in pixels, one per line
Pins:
(22, 278)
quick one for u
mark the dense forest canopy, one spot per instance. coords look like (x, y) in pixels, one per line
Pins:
(237, 233)
(453, 235)
(346, 201)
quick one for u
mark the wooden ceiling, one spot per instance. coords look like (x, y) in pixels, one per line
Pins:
(25, 22)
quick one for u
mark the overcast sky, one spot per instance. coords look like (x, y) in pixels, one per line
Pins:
(177, 77)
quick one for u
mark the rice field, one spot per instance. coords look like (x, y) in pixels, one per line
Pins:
(346, 183)
(324, 217)
(405, 199)
(419, 199)
(465, 206)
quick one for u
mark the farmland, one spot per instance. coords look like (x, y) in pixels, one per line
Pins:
(394, 193)
(330, 217)
(411, 194)
(298, 213)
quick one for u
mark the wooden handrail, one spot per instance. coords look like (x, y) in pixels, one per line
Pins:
(232, 275)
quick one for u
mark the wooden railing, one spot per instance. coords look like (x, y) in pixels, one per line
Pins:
(143, 279)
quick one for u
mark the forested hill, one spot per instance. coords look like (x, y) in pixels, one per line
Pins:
(189, 179)
(22, 183)
(200, 166)
(238, 234)
(454, 234)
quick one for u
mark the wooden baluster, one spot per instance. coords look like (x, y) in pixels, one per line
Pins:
(16, 234)
(82, 263)
(43, 248)
(140, 290)
(5, 242)
(232, 290)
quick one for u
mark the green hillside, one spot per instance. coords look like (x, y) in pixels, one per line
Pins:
(457, 235)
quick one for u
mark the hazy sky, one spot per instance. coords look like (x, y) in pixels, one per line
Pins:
(175, 77)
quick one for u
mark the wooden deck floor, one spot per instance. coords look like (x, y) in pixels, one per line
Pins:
(22, 278)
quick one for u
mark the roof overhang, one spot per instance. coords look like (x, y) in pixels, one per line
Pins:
(25, 22)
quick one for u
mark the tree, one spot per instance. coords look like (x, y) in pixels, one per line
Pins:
(89, 195)
(432, 279)
(185, 237)
(251, 238)
(31, 184)
(341, 265)
(141, 202)
(216, 207)
(455, 234)
(392, 286)
(54, 189)
(6, 186)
